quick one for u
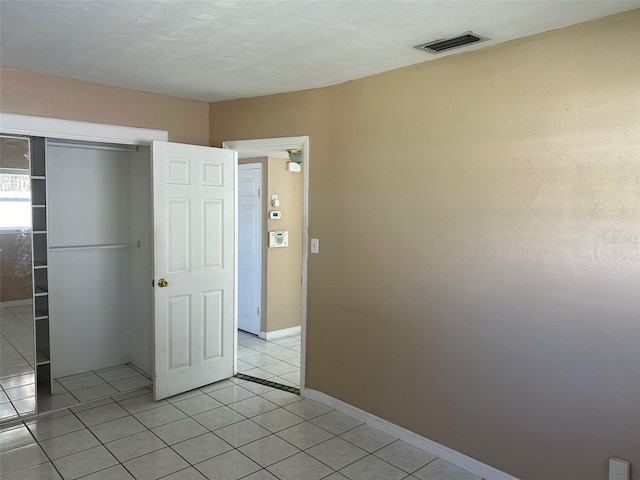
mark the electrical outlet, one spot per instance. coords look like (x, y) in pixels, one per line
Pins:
(618, 469)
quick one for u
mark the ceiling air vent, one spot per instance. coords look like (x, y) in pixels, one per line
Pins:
(438, 46)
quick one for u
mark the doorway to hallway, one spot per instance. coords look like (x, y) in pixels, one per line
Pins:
(276, 354)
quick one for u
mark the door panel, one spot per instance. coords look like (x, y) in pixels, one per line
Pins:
(194, 252)
(213, 234)
(180, 325)
(179, 245)
(213, 324)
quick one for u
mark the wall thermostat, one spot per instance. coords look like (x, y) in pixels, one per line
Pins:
(278, 239)
(275, 215)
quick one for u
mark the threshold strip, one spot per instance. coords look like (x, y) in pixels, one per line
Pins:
(268, 383)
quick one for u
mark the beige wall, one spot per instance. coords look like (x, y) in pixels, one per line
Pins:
(281, 267)
(284, 265)
(479, 226)
(15, 247)
(15, 267)
(46, 96)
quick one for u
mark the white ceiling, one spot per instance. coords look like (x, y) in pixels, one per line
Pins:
(217, 50)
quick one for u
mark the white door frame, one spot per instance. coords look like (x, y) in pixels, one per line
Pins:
(83, 131)
(277, 147)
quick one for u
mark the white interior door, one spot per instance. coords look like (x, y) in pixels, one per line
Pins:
(195, 266)
(249, 247)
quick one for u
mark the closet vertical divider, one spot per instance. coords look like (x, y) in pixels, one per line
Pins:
(40, 263)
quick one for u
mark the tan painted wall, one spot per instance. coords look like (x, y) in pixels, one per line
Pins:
(47, 96)
(281, 267)
(15, 267)
(15, 247)
(479, 226)
(284, 288)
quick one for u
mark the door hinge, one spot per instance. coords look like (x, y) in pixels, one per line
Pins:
(153, 283)
(258, 311)
(258, 193)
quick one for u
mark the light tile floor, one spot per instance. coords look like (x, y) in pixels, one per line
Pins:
(225, 431)
(17, 377)
(274, 360)
(87, 386)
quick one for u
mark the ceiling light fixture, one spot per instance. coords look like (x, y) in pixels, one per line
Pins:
(295, 155)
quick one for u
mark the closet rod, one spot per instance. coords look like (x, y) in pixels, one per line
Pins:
(105, 246)
(93, 146)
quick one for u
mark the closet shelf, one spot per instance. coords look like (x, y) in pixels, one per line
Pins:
(104, 246)
(37, 265)
(38, 177)
(38, 206)
(41, 359)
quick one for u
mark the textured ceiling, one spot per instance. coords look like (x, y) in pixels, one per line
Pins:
(217, 50)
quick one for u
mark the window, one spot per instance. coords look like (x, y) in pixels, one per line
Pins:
(15, 199)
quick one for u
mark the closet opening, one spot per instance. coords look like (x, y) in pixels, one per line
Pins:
(100, 267)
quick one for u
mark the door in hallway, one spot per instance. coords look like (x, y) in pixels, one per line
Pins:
(249, 247)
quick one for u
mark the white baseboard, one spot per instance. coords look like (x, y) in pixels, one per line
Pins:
(474, 466)
(285, 332)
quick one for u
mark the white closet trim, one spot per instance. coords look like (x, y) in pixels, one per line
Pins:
(72, 130)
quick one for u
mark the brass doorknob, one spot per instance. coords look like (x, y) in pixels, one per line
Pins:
(162, 283)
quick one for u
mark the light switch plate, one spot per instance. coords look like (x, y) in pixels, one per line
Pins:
(315, 245)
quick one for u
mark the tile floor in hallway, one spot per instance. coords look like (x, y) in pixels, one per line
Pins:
(229, 430)
(275, 360)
